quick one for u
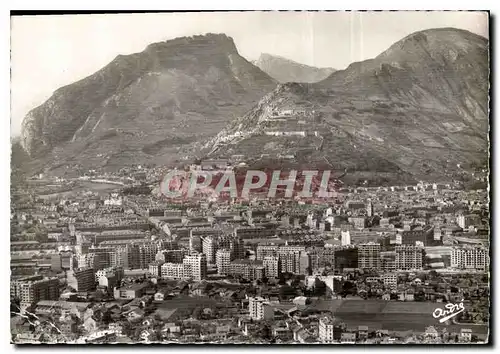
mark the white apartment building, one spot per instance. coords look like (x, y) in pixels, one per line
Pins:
(260, 309)
(390, 280)
(345, 238)
(325, 333)
(175, 270)
(369, 255)
(469, 257)
(81, 279)
(409, 257)
(272, 266)
(31, 290)
(223, 259)
(197, 264)
(209, 246)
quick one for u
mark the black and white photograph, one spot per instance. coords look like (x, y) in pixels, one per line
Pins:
(250, 177)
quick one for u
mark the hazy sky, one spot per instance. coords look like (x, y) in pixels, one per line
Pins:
(48, 52)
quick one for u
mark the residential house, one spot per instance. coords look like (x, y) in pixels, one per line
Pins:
(431, 332)
(201, 289)
(465, 335)
(90, 324)
(87, 314)
(348, 337)
(171, 327)
(161, 295)
(362, 332)
(406, 295)
(282, 333)
(303, 336)
(69, 326)
(135, 315)
(116, 327)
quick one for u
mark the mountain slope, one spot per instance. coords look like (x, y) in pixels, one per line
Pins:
(144, 104)
(420, 109)
(286, 70)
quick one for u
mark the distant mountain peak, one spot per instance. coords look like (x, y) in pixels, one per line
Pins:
(286, 70)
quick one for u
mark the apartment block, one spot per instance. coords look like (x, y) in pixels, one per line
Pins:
(260, 309)
(272, 266)
(82, 279)
(369, 255)
(223, 259)
(469, 257)
(408, 257)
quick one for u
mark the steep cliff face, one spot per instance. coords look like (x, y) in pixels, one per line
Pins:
(179, 88)
(420, 108)
(286, 70)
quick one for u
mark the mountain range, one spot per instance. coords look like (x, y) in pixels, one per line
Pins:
(418, 110)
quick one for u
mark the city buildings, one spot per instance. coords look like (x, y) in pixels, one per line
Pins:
(280, 283)
(30, 290)
(155, 268)
(321, 257)
(110, 277)
(346, 258)
(247, 269)
(418, 235)
(56, 262)
(345, 238)
(131, 291)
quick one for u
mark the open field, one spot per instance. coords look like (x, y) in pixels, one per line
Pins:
(392, 315)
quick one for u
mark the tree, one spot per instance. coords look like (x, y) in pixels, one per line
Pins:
(319, 287)
(287, 291)
(266, 333)
(348, 287)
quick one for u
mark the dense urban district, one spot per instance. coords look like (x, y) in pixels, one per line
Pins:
(104, 258)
